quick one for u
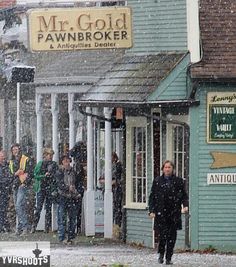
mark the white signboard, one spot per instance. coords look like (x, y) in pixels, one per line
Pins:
(221, 178)
(61, 29)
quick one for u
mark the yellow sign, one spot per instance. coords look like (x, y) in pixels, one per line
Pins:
(58, 29)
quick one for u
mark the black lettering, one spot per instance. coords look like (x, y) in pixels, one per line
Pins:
(124, 35)
(40, 36)
(60, 37)
(80, 36)
(107, 36)
(71, 37)
(116, 35)
(98, 35)
(88, 36)
(49, 38)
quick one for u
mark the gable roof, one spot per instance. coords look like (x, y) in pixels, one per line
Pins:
(133, 78)
(217, 28)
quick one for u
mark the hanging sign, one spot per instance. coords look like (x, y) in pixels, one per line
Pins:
(221, 117)
(63, 29)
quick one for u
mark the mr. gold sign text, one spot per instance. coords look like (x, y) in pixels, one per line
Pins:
(72, 29)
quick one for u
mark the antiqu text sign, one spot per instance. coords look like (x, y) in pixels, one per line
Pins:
(79, 28)
(221, 178)
(221, 119)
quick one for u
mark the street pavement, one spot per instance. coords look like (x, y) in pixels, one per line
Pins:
(115, 255)
(86, 252)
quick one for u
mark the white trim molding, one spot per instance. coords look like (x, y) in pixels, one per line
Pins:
(193, 30)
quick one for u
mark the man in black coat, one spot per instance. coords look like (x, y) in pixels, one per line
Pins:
(165, 200)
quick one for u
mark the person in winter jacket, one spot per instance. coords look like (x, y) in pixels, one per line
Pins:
(117, 189)
(21, 167)
(44, 186)
(5, 186)
(70, 191)
(79, 155)
(166, 198)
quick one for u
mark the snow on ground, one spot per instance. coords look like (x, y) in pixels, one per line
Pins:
(112, 255)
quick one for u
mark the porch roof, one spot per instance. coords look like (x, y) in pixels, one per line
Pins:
(132, 79)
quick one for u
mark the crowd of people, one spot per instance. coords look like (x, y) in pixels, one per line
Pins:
(27, 187)
(33, 186)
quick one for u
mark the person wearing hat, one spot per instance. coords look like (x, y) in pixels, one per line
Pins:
(21, 167)
(44, 185)
(70, 192)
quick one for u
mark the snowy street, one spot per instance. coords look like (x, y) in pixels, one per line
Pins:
(123, 255)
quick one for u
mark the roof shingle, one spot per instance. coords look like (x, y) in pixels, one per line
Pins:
(218, 37)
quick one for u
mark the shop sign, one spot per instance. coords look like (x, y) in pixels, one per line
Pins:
(56, 29)
(221, 117)
(221, 178)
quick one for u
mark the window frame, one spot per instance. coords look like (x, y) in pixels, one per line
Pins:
(170, 141)
(134, 122)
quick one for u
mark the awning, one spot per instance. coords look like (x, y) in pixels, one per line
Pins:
(131, 80)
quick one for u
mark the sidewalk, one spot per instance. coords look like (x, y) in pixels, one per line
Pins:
(89, 251)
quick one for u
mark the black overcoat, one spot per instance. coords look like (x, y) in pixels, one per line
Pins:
(165, 201)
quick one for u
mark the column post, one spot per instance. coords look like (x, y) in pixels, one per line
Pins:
(55, 111)
(89, 194)
(108, 196)
(71, 120)
(39, 113)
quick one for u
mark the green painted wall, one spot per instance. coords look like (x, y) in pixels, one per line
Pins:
(212, 207)
(159, 25)
(139, 227)
(174, 86)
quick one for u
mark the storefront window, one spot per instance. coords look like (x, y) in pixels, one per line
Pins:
(179, 150)
(139, 164)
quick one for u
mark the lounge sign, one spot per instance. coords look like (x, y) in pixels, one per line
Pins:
(221, 117)
(58, 29)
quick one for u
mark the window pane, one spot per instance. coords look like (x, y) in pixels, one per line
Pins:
(144, 164)
(139, 141)
(180, 162)
(134, 190)
(139, 164)
(144, 140)
(134, 165)
(144, 190)
(134, 138)
(139, 190)
(180, 138)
